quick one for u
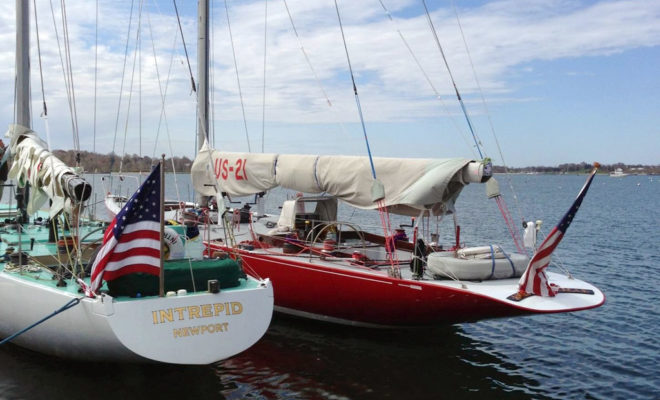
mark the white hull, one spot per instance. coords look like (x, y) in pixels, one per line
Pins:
(205, 327)
(618, 173)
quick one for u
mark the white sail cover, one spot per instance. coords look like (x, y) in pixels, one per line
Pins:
(411, 185)
(215, 172)
(34, 164)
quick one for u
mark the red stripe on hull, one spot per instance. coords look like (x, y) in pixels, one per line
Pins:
(360, 297)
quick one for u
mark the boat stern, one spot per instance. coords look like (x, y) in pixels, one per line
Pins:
(196, 328)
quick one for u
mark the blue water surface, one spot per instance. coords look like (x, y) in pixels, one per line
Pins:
(612, 352)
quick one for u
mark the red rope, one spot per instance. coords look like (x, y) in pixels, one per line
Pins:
(390, 244)
(509, 223)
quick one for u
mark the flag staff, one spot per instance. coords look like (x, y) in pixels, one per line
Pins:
(162, 226)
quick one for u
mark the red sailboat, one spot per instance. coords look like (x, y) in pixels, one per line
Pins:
(331, 270)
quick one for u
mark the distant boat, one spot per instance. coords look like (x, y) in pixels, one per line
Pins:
(618, 173)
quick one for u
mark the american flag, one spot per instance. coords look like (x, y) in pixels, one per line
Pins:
(132, 241)
(534, 279)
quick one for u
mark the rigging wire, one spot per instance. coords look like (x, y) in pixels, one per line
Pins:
(121, 86)
(238, 80)
(163, 95)
(302, 48)
(130, 90)
(461, 132)
(67, 48)
(490, 121)
(138, 50)
(44, 114)
(263, 97)
(66, 70)
(458, 95)
(192, 79)
(14, 116)
(96, 68)
(311, 67)
(377, 186)
(504, 210)
(41, 71)
(212, 78)
(185, 49)
(355, 91)
(196, 100)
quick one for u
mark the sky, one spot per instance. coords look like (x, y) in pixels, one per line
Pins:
(543, 82)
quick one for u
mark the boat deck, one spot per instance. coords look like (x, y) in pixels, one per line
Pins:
(45, 259)
(376, 267)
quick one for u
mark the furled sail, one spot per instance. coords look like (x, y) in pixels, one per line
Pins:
(49, 177)
(214, 172)
(411, 185)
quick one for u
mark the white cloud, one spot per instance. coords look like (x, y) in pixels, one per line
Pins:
(503, 36)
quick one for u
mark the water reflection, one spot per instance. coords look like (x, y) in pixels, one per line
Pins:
(29, 375)
(305, 359)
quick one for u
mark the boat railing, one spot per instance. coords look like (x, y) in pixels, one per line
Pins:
(315, 235)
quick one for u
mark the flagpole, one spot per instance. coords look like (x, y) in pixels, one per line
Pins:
(162, 226)
(534, 279)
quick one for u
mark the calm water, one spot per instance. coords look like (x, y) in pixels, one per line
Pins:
(612, 352)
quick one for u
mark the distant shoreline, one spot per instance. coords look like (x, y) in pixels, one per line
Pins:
(106, 163)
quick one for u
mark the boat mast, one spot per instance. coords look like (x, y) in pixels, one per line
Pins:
(202, 72)
(23, 88)
(202, 79)
(23, 63)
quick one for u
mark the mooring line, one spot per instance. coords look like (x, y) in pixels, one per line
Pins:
(71, 303)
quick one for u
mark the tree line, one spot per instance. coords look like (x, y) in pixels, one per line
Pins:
(106, 163)
(583, 167)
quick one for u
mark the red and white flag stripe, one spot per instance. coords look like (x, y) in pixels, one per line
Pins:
(534, 280)
(137, 250)
(132, 241)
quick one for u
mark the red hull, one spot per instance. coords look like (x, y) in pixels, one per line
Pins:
(363, 298)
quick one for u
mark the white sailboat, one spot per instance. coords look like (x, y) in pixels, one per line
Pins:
(212, 311)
